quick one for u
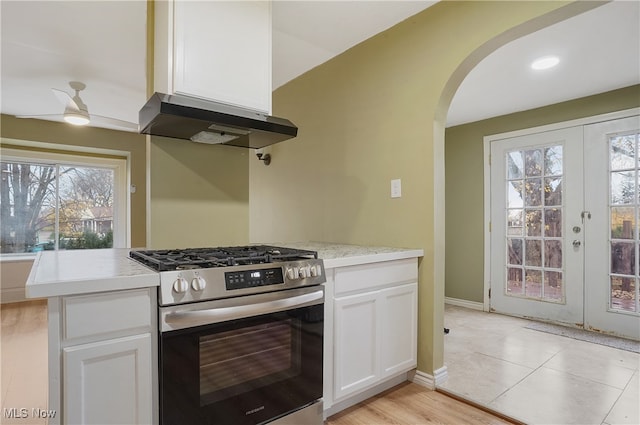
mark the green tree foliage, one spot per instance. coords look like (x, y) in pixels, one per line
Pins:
(88, 240)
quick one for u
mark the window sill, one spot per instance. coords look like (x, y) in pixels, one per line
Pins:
(17, 258)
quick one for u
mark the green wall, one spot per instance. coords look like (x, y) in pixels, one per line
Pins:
(376, 113)
(69, 137)
(199, 194)
(464, 181)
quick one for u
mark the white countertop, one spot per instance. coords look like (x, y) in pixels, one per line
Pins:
(58, 273)
(72, 272)
(341, 255)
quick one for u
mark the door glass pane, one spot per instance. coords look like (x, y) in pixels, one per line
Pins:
(534, 223)
(623, 258)
(534, 192)
(623, 153)
(623, 223)
(533, 253)
(553, 222)
(553, 191)
(623, 187)
(623, 216)
(553, 161)
(514, 222)
(533, 286)
(553, 254)
(553, 285)
(514, 281)
(514, 194)
(623, 293)
(533, 163)
(514, 165)
(514, 249)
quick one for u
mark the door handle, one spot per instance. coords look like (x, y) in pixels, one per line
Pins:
(174, 320)
(577, 243)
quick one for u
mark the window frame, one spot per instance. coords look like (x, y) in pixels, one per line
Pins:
(114, 160)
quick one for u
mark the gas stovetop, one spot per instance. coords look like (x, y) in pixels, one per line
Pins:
(195, 258)
(201, 274)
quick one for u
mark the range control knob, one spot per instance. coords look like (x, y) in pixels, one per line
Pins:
(180, 285)
(305, 271)
(292, 273)
(198, 283)
(316, 270)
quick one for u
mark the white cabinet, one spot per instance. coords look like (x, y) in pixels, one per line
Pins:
(398, 329)
(108, 382)
(103, 357)
(216, 50)
(375, 327)
(356, 336)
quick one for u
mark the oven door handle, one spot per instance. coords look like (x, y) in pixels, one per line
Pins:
(185, 319)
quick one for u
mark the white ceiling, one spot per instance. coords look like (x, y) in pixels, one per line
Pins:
(599, 51)
(47, 44)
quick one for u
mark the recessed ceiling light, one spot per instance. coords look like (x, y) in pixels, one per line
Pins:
(545, 62)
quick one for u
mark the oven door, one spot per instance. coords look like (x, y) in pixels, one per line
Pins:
(245, 360)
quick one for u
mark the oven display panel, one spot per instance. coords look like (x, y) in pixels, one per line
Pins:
(253, 278)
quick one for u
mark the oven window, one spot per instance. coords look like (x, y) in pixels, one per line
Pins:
(236, 361)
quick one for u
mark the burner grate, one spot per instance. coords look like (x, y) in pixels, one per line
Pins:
(179, 259)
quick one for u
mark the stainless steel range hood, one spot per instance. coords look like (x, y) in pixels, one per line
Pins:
(189, 118)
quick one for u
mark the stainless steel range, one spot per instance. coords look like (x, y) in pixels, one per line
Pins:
(241, 334)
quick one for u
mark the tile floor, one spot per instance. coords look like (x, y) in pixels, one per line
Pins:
(535, 377)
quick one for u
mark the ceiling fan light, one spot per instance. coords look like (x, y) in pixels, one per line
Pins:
(76, 119)
(545, 62)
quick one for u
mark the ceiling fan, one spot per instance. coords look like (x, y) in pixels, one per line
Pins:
(76, 111)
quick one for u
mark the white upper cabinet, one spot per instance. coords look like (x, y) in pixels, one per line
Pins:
(215, 50)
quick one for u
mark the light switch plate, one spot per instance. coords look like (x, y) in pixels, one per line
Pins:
(396, 188)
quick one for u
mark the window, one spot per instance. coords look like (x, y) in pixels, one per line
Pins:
(51, 201)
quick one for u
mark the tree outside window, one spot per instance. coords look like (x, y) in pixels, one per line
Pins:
(55, 206)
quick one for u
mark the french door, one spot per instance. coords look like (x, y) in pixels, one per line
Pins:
(612, 153)
(564, 234)
(536, 226)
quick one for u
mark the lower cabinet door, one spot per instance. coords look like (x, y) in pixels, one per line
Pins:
(108, 382)
(356, 343)
(399, 329)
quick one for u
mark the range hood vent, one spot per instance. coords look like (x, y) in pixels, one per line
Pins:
(189, 118)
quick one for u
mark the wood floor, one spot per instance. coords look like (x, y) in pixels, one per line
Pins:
(23, 349)
(410, 403)
(23, 353)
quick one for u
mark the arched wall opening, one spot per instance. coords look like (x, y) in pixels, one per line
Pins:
(439, 125)
(375, 113)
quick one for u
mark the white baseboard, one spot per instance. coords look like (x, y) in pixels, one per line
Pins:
(464, 303)
(430, 381)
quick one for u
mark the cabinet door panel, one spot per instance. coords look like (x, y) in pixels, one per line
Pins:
(399, 328)
(356, 342)
(108, 382)
(223, 52)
